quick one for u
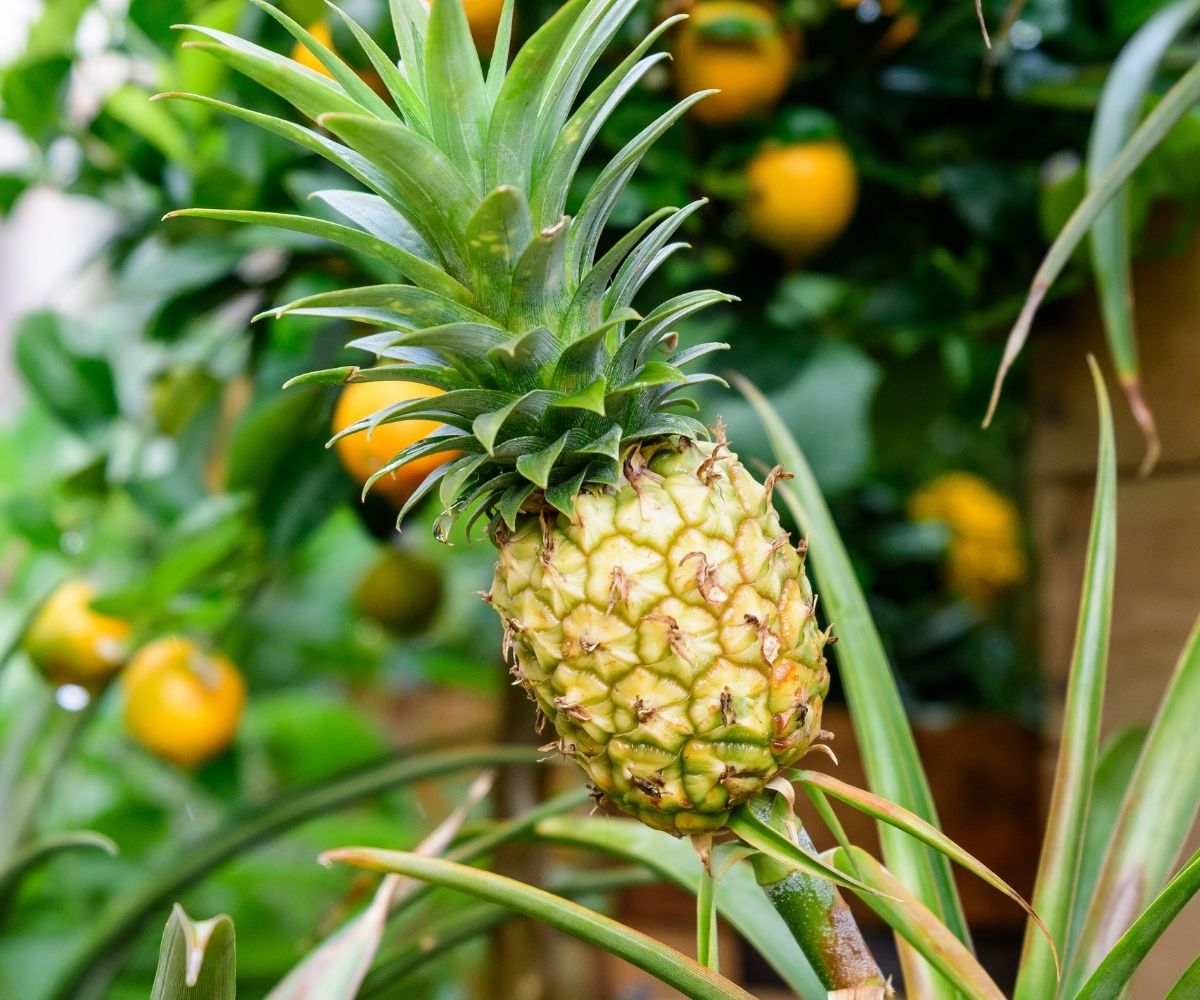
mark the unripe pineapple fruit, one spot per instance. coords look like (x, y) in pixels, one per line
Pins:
(668, 633)
(655, 608)
(364, 453)
(181, 703)
(737, 48)
(802, 195)
(72, 644)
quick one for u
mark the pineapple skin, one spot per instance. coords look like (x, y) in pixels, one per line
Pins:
(668, 632)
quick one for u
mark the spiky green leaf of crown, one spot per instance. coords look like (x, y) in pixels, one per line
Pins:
(502, 301)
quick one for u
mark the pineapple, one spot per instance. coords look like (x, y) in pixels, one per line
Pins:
(652, 605)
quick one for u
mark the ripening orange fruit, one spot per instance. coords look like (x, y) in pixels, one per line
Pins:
(801, 196)
(738, 48)
(182, 703)
(365, 453)
(72, 644)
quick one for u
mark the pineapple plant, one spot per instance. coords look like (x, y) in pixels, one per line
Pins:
(652, 604)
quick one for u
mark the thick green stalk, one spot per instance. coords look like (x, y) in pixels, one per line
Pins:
(816, 915)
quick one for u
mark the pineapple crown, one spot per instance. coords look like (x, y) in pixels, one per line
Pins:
(550, 377)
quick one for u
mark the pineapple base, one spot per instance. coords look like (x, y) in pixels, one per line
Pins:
(668, 633)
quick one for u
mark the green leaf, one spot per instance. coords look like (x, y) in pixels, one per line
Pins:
(1113, 771)
(335, 969)
(410, 21)
(497, 235)
(602, 196)
(640, 264)
(443, 935)
(885, 738)
(512, 500)
(404, 306)
(888, 812)
(129, 105)
(1156, 816)
(379, 218)
(487, 426)
(454, 88)
(590, 397)
(409, 265)
(738, 899)
(1062, 846)
(306, 90)
(586, 307)
(756, 833)
(197, 959)
(86, 972)
(523, 358)
(917, 925)
(437, 196)
(357, 166)
(1112, 976)
(1188, 985)
(539, 281)
(346, 77)
(536, 467)
(1120, 106)
(596, 26)
(77, 388)
(43, 849)
(562, 496)
(498, 64)
(552, 178)
(411, 106)
(661, 961)
(1177, 102)
(510, 137)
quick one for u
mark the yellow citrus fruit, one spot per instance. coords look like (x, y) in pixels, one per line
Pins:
(301, 53)
(985, 555)
(72, 644)
(802, 195)
(484, 18)
(181, 703)
(736, 47)
(364, 455)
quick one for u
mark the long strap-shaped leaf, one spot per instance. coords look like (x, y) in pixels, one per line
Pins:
(1058, 869)
(409, 265)
(654, 957)
(1178, 101)
(85, 975)
(1156, 816)
(884, 736)
(906, 915)
(1117, 113)
(738, 900)
(435, 939)
(1112, 976)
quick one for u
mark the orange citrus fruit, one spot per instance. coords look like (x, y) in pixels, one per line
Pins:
(72, 644)
(737, 48)
(181, 703)
(802, 195)
(365, 453)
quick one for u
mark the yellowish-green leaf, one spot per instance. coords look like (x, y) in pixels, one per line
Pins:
(661, 961)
